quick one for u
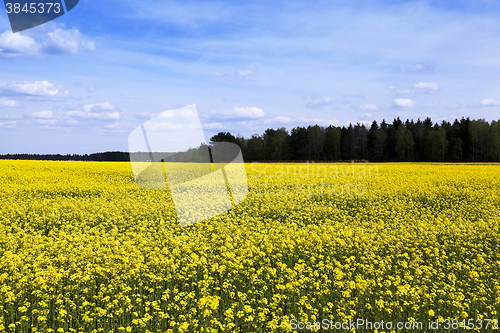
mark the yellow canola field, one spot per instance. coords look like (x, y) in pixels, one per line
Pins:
(84, 249)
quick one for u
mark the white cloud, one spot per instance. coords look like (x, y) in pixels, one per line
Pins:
(282, 120)
(279, 121)
(94, 115)
(317, 121)
(43, 114)
(245, 74)
(46, 121)
(246, 124)
(240, 112)
(219, 74)
(325, 122)
(368, 107)
(106, 106)
(7, 116)
(490, 102)
(8, 124)
(319, 102)
(103, 111)
(433, 86)
(404, 102)
(456, 105)
(115, 125)
(399, 91)
(366, 116)
(38, 88)
(53, 42)
(213, 126)
(67, 41)
(418, 68)
(12, 45)
(9, 103)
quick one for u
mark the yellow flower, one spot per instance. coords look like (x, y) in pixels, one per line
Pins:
(81, 243)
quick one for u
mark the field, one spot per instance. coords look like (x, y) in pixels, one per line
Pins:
(84, 249)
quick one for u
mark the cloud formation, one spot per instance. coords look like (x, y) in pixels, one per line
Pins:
(67, 41)
(319, 102)
(404, 102)
(279, 120)
(255, 124)
(429, 86)
(399, 91)
(317, 121)
(213, 126)
(490, 102)
(368, 107)
(102, 111)
(245, 74)
(242, 74)
(8, 116)
(418, 68)
(8, 124)
(58, 41)
(12, 45)
(37, 88)
(43, 114)
(240, 112)
(46, 121)
(366, 116)
(9, 103)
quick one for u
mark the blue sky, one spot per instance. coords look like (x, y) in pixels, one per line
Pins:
(82, 83)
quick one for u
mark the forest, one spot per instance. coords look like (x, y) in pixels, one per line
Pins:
(464, 140)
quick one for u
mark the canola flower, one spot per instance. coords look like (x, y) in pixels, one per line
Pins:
(84, 249)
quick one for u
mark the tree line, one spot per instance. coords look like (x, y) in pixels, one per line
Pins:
(464, 140)
(110, 156)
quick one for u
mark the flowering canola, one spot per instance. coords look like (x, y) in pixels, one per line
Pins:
(84, 249)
